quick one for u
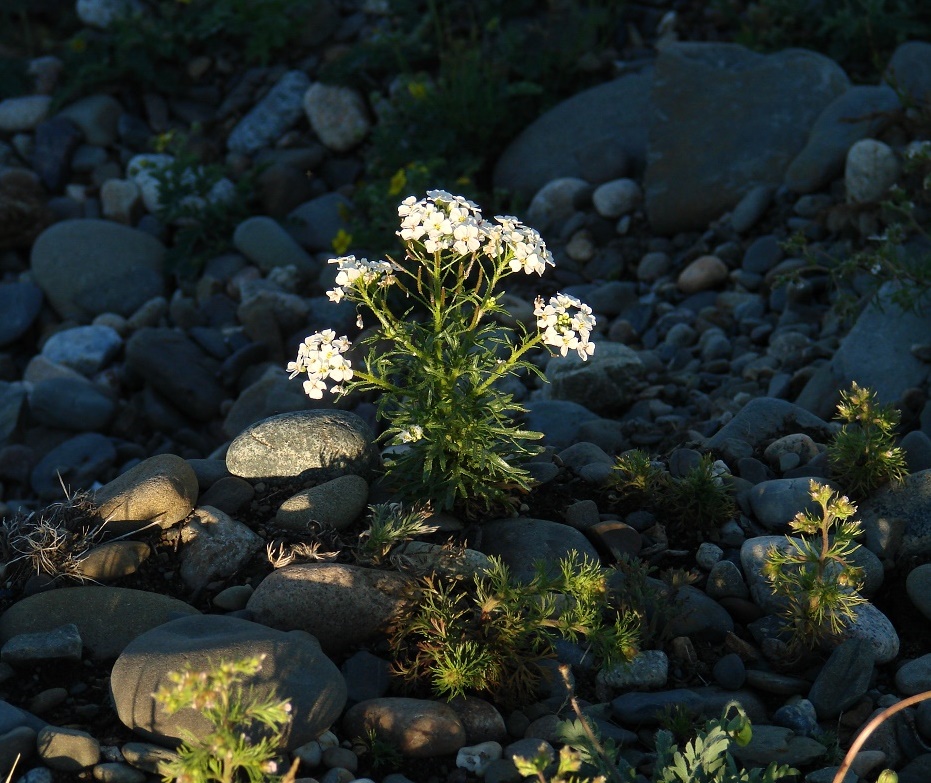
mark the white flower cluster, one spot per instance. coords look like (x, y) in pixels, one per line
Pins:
(411, 435)
(563, 329)
(321, 357)
(442, 221)
(351, 271)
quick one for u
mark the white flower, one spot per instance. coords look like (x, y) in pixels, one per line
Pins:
(336, 295)
(563, 329)
(414, 433)
(321, 357)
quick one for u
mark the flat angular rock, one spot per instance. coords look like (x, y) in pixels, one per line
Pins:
(726, 119)
(62, 643)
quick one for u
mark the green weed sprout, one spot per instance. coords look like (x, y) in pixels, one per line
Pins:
(247, 731)
(435, 355)
(815, 576)
(490, 636)
(390, 525)
(863, 455)
(707, 756)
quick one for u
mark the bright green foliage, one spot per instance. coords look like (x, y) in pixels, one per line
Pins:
(569, 764)
(379, 753)
(863, 455)
(491, 634)
(691, 506)
(815, 576)
(247, 731)
(390, 525)
(707, 757)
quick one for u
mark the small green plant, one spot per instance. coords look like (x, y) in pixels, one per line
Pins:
(863, 455)
(379, 753)
(490, 636)
(202, 205)
(435, 354)
(247, 731)
(707, 757)
(692, 505)
(390, 525)
(145, 47)
(814, 574)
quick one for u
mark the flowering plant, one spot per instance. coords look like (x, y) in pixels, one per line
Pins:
(437, 356)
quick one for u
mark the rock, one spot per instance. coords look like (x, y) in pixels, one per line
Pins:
(558, 420)
(913, 676)
(25, 649)
(293, 667)
(872, 168)
(780, 745)
(121, 201)
(858, 113)
(103, 13)
(264, 242)
(698, 617)
(635, 708)
(67, 750)
(337, 114)
(85, 349)
(112, 560)
(604, 383)
(272, 393)
(909, 70)
(74, 465)
(895, 519)
(341, 605)
(56, 141)
(616, 198)
(843, 680)
(23, 113)
(218, 548)
(701, 274)
(522, 541)
(799, 716)
(873, 627)
(20, 304)
(918, 587)
(776, 502)
(161, 489)
(310, 445)
(554, 203)
(336, 503)
(175, 367)
(595, 135)
(108, 618)
(418, 728)
(89, 267)
(315, 223)
(274, 114)
(68, 404)
(730, 672)
(649, 669)
(97, 117)
(760, 123)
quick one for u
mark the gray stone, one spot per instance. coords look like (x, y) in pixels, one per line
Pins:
(918, 587)
(337, 114)
(108, 618)
(12, 399)
(112, 560)
(649, 669)
(97, 117)
(554, 203)
(62, 643)
(591, 135)
(558, 420)
(336, 503)
(272, 393)
(521, 541)
(162, 490)
(730, 672)
(616, 198)
(780, 745)
(637, 709)
(699, 617)
(20, 304)
(605, 383)
(218, 548)
(313, 445)
(914, 676)
(55, 142)
(86, 349)
(873, 627)
(294, 667)
(17, 744)
(315, 223)
(856, 114)
(274, 114)
(89, 267)
(418, 728)
(67, 750)
(726, 581)
(23, 113)
(342, 605)
(871, 169)
(909, 70)
(760, 123)
(70, 404)
(175, 367)
(798, 715)
(263, 241)
(750, 207)
(776, 502)
(74, 464)
(896, 521)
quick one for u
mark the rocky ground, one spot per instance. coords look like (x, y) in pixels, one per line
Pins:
(666, 194)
